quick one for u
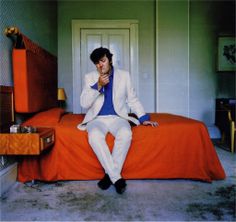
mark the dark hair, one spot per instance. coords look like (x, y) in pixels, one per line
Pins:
(98, 53)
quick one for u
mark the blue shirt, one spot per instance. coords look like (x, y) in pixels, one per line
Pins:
(108, 107)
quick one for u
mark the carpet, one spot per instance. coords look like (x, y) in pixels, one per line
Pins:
(144, 200)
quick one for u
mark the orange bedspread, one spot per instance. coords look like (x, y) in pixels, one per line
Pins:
(178, 148)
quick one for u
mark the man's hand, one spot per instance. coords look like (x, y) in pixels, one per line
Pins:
(151, 123)
(103, 80)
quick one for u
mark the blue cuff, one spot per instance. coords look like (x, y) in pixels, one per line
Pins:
(95, 86)
(143, 118)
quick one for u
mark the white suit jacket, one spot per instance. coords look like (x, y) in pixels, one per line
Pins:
(123, 94)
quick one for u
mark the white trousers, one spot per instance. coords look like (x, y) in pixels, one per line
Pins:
(120, 128)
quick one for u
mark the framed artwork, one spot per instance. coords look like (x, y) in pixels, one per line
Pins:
(226, 54)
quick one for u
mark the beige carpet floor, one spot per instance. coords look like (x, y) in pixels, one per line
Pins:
(144, 200)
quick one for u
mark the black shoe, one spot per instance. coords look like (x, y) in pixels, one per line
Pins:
(120, 186)
(105, 182)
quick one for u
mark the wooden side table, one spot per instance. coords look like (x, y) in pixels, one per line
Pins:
(26, 143)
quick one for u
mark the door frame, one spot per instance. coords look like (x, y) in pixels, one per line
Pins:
(77, 25)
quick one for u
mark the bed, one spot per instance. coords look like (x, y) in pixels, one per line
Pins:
(179, 148)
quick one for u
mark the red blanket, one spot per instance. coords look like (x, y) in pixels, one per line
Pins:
(178, 148)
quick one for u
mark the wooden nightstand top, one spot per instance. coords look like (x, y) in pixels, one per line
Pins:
(26, 143)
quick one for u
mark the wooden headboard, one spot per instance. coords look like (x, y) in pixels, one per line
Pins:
(35, 81)
(6, 108)
(34, 75)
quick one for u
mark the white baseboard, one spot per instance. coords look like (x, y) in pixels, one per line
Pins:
(8, 178)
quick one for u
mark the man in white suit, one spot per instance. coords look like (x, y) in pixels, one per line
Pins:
(105, 95)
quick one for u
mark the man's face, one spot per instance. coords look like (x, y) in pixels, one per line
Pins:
(103, 65)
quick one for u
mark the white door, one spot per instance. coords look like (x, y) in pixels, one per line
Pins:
(120, 37)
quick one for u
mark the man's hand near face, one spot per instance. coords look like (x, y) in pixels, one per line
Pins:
(103, 80)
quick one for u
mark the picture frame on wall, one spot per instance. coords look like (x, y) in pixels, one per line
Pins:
(226, 54)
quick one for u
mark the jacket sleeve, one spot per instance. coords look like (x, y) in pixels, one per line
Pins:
(132, 99)
(89, 94)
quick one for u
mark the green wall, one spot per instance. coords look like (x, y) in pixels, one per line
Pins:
(173, 57)
(208, 20)
(202, 61)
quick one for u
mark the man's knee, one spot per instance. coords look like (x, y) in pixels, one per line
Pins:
(95, 135)
(124, 133)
